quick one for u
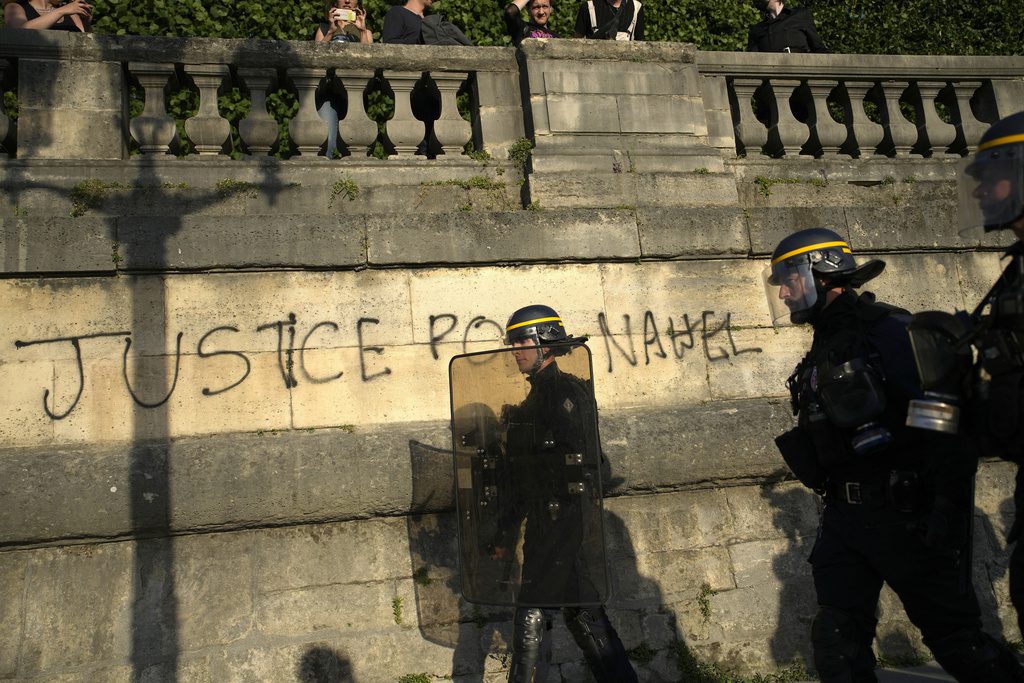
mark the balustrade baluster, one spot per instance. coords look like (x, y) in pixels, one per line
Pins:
(938, 134)
(404, 130)
(358, 130)
(831, 134)
(970, 126)
(258, 130)
(154, 129)
(792, 133)
(452, 131)
(208, 130)
(867, 134)
(750, 132)
(902, 132)
(307, 130)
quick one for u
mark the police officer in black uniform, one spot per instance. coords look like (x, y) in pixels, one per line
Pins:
(553, 420)
(897, 501)
(992, 198)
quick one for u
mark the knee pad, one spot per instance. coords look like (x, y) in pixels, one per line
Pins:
(842, 646)
(528, 629)
(972, 655)
(529, 649)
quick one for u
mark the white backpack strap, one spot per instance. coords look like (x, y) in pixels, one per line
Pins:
(593, 14)
(632, 24)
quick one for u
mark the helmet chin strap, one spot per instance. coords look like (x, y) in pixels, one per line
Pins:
(541, 357)
(809, 315)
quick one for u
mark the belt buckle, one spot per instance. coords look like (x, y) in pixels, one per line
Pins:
(853, 492)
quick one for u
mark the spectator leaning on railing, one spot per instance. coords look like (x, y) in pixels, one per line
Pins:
(536, 27)
(784, 29)
(610, 19)
(72, 15)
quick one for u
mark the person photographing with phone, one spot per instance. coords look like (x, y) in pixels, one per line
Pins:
(345, 23)
(784, 29)
(68, 15)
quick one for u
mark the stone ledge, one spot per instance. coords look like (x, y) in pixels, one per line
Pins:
(252, 53)
(250, 480)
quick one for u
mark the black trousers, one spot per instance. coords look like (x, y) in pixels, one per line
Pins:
(859, 548)
(590, 628)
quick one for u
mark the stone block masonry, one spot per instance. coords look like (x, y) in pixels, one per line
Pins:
(224, 446)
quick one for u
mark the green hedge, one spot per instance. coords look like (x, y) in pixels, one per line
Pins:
(974, 27)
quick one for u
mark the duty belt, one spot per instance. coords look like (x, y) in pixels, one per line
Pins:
(856, 492)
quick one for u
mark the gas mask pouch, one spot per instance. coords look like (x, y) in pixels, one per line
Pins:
(851, 393)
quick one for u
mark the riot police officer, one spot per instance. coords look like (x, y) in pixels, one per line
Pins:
(992, 198)
(555, 414)
(897, 501)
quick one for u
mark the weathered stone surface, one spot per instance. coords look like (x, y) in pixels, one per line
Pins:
(57, 244)
(489, 237)
(692, 232)
(241, 242)
(297, 482)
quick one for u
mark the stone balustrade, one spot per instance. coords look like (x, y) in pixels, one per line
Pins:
(73, 93)
(655, 107)
(860, 106)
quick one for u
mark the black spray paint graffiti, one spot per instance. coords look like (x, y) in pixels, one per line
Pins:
(285, 355)
(678, 336)
(680, 340)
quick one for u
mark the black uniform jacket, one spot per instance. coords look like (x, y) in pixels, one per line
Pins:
(855, 326)
(793, 29)
(563, 544)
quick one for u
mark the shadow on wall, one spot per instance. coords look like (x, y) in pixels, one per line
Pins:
(156, 618)
(480, 635)
(320, 664)
(473, 632)
(795, 514)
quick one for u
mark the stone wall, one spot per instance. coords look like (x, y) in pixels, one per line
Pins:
(225, 448)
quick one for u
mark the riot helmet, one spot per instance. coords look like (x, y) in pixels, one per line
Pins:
(532, 326)
(991, 183)
(805, 265)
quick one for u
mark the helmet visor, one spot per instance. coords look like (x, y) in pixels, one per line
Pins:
(790, 289)
(991, 188)
(522, 336)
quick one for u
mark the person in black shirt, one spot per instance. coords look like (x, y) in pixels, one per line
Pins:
(784, 29)
(549, 424)
(537, 27)
(403, 24)
(610, 20)
(991, 184)
(898, 500)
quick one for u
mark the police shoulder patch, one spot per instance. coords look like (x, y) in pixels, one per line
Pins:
(568, 405)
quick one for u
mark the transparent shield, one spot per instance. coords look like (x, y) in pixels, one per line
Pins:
(991, 192)
(528, 482)
(790, 291)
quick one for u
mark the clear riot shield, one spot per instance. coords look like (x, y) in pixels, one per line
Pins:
(528, 475)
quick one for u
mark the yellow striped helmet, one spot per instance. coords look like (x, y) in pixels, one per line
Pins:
(805, 264)
(991, 183)
(538, 322)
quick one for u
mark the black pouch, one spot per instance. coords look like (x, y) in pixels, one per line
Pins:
(797, 449)
(906, 491)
